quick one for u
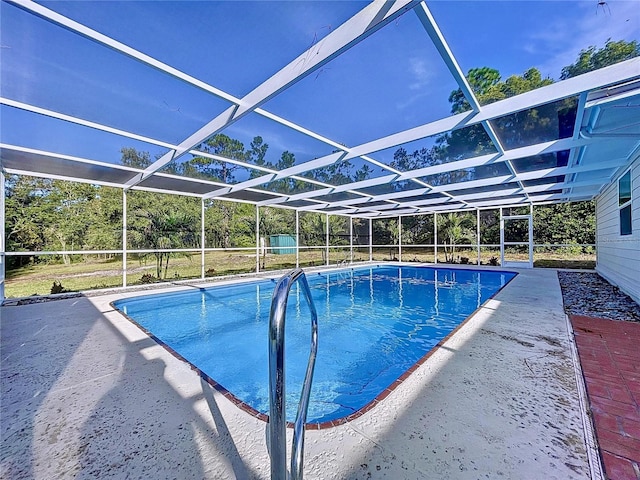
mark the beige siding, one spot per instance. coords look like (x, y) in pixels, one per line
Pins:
(619, 256)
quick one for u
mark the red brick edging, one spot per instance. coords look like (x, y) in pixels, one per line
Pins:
(609, 352)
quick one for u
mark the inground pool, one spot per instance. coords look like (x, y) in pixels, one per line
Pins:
(374, 325)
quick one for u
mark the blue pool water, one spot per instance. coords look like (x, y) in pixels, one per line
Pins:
(373, 325)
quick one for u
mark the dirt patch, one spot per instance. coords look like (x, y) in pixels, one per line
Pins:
(510, 338)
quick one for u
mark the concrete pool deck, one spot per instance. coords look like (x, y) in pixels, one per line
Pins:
(87, 394)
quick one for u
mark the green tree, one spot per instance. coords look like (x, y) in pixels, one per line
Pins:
(229, 224)
(256, 155)
(44, 214)
(454, 229)
(130, 157)
(285, 185)
(417, 230)
(105, 228)
(157, 224)
(312, 229)
(212, 169)
(490, 227)
(26, 211)
(565, 223)
(275, 221)
(483, 82)
(594, 58)
(67, 222)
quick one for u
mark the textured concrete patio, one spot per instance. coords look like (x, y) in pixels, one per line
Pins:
(86, 394)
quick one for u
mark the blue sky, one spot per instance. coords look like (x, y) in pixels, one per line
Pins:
(390, 82)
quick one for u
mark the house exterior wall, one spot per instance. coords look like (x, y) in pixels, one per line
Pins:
(618, 256)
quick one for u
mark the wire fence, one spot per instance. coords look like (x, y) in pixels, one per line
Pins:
(118, 268)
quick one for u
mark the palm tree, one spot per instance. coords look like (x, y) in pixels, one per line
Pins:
(455, 228)
(164, 228)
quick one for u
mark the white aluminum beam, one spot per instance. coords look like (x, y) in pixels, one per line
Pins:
(473, 183)
(549, 172)
(614, 94)
(357, 28)
(127, 134)
(281, 174)
(532, 199)
(3, 258)
(514, 154)
(15, 171)
(98, 37)
(432, 29)
(387, 196)
(620, 72)
(547, 147)
(595, 183)
(141, 57)
(538, 149)
(492, 194)
(556, 171)
(366, 22)
(297, 196)
(17, 148)
(341, 188)
(85, 123)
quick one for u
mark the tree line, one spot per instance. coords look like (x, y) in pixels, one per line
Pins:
(55, 215)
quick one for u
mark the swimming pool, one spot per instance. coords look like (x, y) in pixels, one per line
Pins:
(374, 325)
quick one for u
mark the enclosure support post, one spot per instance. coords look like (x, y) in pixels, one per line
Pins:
(435, 237)
(124, 237)
(478, 233)
(202, 240)
(350, 240)
(501, 238)
(399, 238)
(257, 239)
(3, 257)
(371, 240)
(326, 240)
(297, 238)
(531, 235)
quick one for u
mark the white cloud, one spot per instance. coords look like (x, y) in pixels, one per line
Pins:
(408, 101)
(589, 24)
(418, 68)
(420, 76)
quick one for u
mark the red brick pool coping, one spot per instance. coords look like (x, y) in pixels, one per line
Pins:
(609, 352)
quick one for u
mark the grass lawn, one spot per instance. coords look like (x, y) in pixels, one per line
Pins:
(89, 272)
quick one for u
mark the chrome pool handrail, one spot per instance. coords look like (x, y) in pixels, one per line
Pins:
(277, 419)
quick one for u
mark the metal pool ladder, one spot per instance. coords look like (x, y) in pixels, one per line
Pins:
(277, 420)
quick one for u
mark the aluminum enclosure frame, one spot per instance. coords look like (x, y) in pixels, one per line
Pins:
(590, 168)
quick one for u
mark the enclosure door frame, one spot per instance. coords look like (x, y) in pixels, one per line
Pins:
(529, 243)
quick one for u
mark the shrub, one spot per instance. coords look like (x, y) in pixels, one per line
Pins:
(571, 250)
(493, 261)
(58, 288)
(147, 278)
(464, 260)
